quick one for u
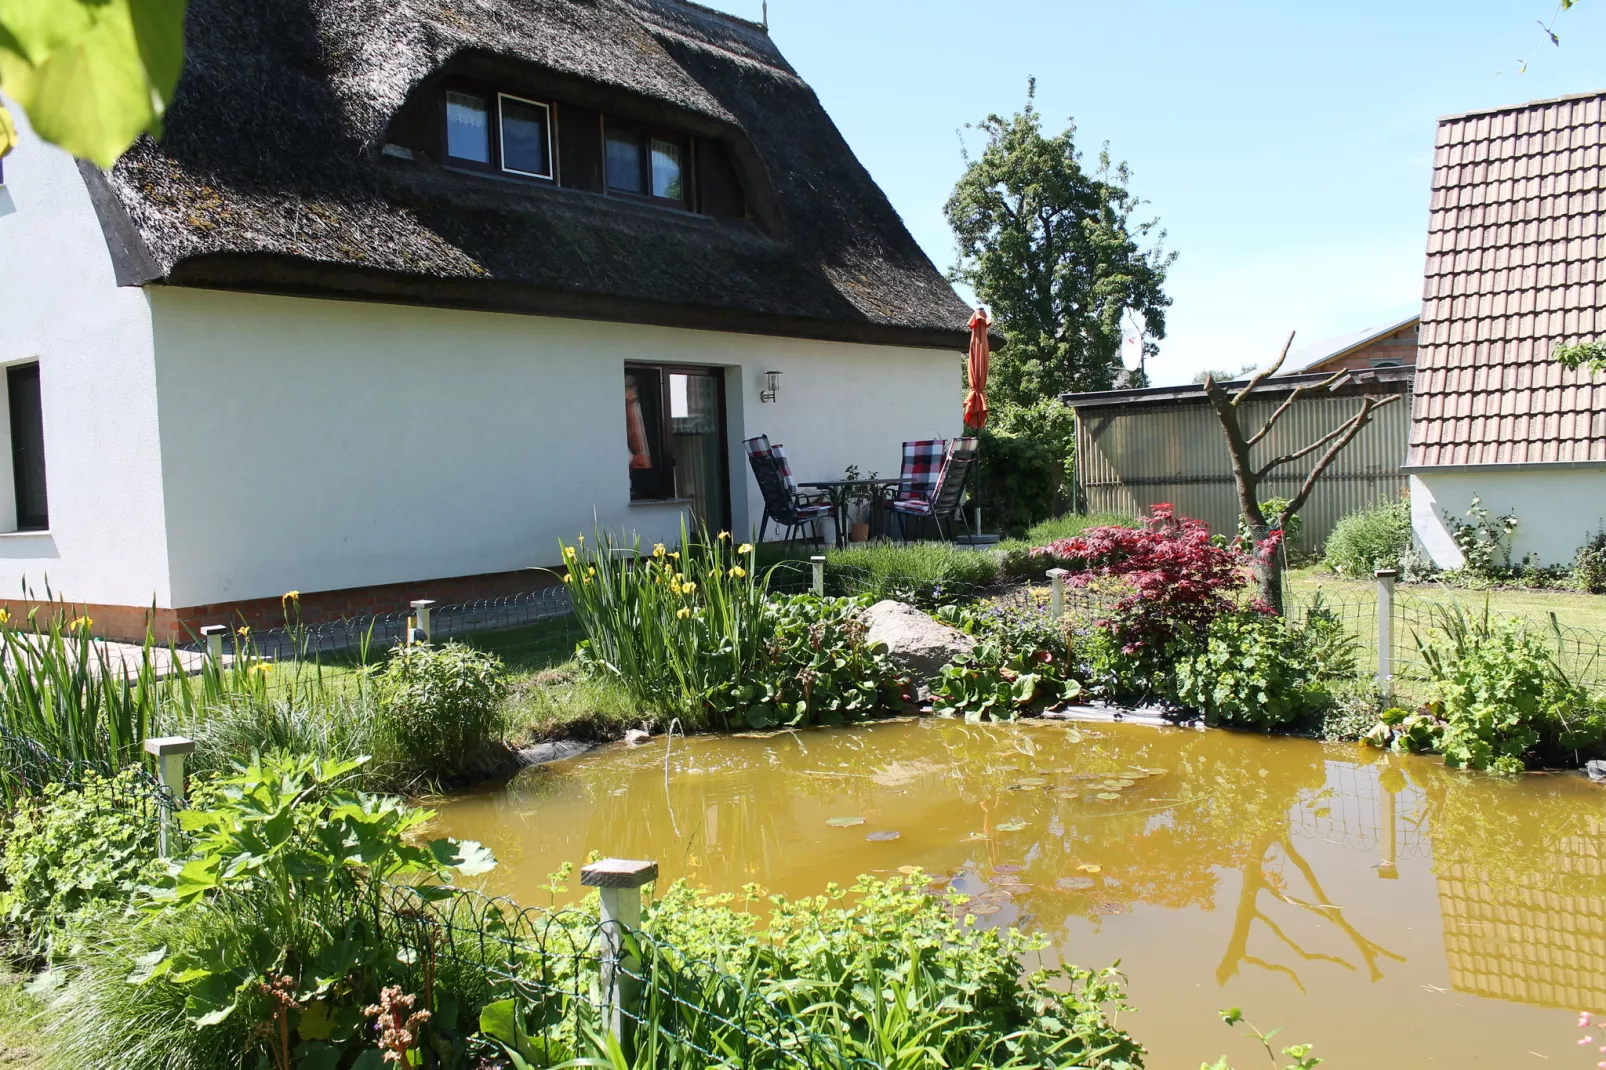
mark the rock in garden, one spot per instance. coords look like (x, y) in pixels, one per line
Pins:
(1596, 769)
(913, 639)
(636, 737)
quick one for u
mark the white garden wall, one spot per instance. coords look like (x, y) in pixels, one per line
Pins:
(316, 445)
(60, 306)
(1558, 507)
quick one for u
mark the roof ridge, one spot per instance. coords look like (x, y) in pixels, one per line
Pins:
(723, 14)
(1525, 106)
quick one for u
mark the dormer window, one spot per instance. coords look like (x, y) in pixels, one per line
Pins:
(646, 164)
(514, 136)
(513, 129)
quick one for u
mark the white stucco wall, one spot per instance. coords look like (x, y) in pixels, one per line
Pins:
(319, 445)
(1558, 508)
(60, 305)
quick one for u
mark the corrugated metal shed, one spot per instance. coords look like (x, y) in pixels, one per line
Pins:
(1164, 444)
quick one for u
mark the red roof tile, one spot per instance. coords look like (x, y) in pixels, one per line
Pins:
(1515, 267)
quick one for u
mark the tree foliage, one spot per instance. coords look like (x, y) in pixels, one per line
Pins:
(1054, 251)
(92, 75)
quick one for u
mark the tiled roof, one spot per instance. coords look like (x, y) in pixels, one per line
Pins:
(1516, 265)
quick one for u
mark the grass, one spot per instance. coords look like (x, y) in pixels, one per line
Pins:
(1574, 608)
(21, 1045)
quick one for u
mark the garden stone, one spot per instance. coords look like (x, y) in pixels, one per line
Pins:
(913, 639)
(1596, 769)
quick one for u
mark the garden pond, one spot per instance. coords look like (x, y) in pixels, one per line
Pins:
(1382, 907)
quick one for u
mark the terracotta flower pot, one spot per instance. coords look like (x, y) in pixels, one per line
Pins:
(858, 532)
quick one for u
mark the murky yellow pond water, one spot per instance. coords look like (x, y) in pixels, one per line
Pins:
(1394, 913)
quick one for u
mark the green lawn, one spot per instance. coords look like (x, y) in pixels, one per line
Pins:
(1572, 608)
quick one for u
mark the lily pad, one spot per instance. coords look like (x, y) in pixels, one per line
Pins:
(1030, 782)
(1120, 783)
(1011, 826)
(1089, 867)
(908, 870)
(882, 836)
(1074, 884)
(1007, 868)
(983, 910)
(1107, 909)
(1107, 795)
(845, 822)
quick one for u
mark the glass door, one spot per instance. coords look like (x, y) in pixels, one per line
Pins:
(675, 431)
(697, 441)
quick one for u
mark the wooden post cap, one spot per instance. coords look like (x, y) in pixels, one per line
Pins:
(165, 745)
(618, 873)
(1387, 573)
(422, 603)
(1055, 573)
(214, 629)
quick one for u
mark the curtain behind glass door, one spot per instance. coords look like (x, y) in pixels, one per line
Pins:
(695, 422)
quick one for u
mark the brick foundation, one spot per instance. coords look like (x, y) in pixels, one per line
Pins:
(315, 607)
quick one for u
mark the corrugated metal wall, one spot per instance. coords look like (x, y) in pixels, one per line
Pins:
(1130, 457)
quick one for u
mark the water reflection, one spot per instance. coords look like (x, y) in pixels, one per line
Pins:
(1317, 886)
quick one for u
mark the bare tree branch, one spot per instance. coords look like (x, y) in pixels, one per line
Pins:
(1369, 405)
(1264, 374)
(1298, 392)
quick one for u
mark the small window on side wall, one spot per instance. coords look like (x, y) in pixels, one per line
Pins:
(27, 446)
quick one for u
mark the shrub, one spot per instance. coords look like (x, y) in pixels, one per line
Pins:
(75, 849)
(1498, 700)
(265, 943)
(1175, 579)
(1253, 669)
(437, 707)
(1363, 542)
(669, 625)
(1021, 662)
(691, 632)
(924, 574)
(1064, 527)
(1484, 541)
(1017, 480)
(1589, 566)
(814, 668)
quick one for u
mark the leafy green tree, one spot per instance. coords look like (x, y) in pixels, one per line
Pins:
(92, 75)
(1054, 251)
(1591, 355)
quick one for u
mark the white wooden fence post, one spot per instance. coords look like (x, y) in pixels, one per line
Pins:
(619, 882)
(214, 643)
(1056, 605)
(1385, 630)
(818, 565)
(169, 752)
(421, 605)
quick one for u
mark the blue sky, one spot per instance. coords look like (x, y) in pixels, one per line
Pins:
(1286, 147)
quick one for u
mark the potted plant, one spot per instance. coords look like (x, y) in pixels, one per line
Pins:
(858, 500)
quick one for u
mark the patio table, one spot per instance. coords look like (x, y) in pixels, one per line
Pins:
(838, 491)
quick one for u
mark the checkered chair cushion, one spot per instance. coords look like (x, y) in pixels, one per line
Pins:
(922, 461)
(947, 493)
(782, 500)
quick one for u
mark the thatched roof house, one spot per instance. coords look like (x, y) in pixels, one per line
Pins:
(301, 155)
(409, 290)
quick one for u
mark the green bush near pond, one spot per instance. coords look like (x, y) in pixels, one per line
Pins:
(274, 940)
(1363, 542)
(693, 633)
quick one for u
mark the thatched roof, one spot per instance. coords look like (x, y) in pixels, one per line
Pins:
(271, 175)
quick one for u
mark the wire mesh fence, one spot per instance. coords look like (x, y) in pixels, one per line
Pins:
(27, 768)
(558, 982)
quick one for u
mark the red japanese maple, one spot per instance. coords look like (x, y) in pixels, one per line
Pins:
(1175, 576)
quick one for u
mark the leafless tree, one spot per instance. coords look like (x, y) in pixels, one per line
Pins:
(1247, 474)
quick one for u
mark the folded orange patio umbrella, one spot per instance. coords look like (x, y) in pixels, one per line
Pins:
(976, 396)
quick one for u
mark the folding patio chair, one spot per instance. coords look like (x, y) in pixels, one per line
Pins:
(947, 496)
(783, 503)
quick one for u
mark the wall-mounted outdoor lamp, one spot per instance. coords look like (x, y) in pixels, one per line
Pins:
(772, 386)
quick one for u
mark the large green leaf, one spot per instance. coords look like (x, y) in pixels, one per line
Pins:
(159, 30)
(39, 27)
(89, 96)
